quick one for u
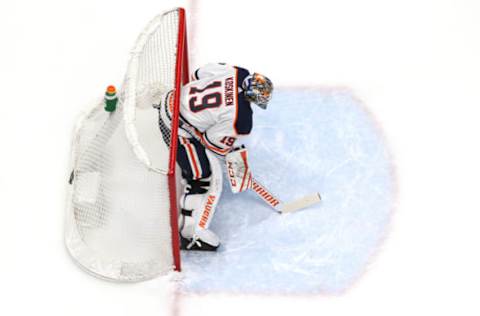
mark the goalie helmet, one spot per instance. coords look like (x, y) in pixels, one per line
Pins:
(258, 89)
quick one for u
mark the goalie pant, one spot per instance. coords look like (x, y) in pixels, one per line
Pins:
(192, 159)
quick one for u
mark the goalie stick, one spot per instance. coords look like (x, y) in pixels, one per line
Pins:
(241, 179)
(258, 188)
(282, 207)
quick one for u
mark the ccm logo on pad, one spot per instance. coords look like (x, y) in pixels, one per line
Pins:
(231, 174)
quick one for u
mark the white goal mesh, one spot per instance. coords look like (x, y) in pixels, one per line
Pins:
(121, 216)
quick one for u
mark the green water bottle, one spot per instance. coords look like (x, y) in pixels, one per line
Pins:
(111, 99)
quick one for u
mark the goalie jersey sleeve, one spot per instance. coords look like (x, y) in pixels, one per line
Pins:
(214, 104)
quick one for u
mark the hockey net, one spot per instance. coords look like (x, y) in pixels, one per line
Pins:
(122, 215)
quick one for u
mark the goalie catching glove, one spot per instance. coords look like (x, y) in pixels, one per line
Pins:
(238, 171)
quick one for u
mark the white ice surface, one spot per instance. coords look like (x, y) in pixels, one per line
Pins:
(308, 140)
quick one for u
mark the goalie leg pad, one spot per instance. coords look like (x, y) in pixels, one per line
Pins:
(198, 204)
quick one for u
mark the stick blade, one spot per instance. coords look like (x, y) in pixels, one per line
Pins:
(303, 202)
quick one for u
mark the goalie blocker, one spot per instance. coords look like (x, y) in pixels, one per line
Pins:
(238, 171)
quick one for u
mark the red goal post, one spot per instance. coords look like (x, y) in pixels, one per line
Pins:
(181, 78)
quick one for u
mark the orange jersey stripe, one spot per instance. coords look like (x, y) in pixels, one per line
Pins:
(213, 148)
(191, 156)
(244, 158)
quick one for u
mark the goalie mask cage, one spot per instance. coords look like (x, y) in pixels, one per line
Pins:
(121, 219)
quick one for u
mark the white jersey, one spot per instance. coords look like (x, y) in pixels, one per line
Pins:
(213, 103)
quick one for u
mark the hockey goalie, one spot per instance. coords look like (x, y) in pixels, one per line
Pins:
(215, 111)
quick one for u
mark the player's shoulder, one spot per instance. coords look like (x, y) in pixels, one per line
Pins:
(243, 120)
(242, 73)
(243, 115)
